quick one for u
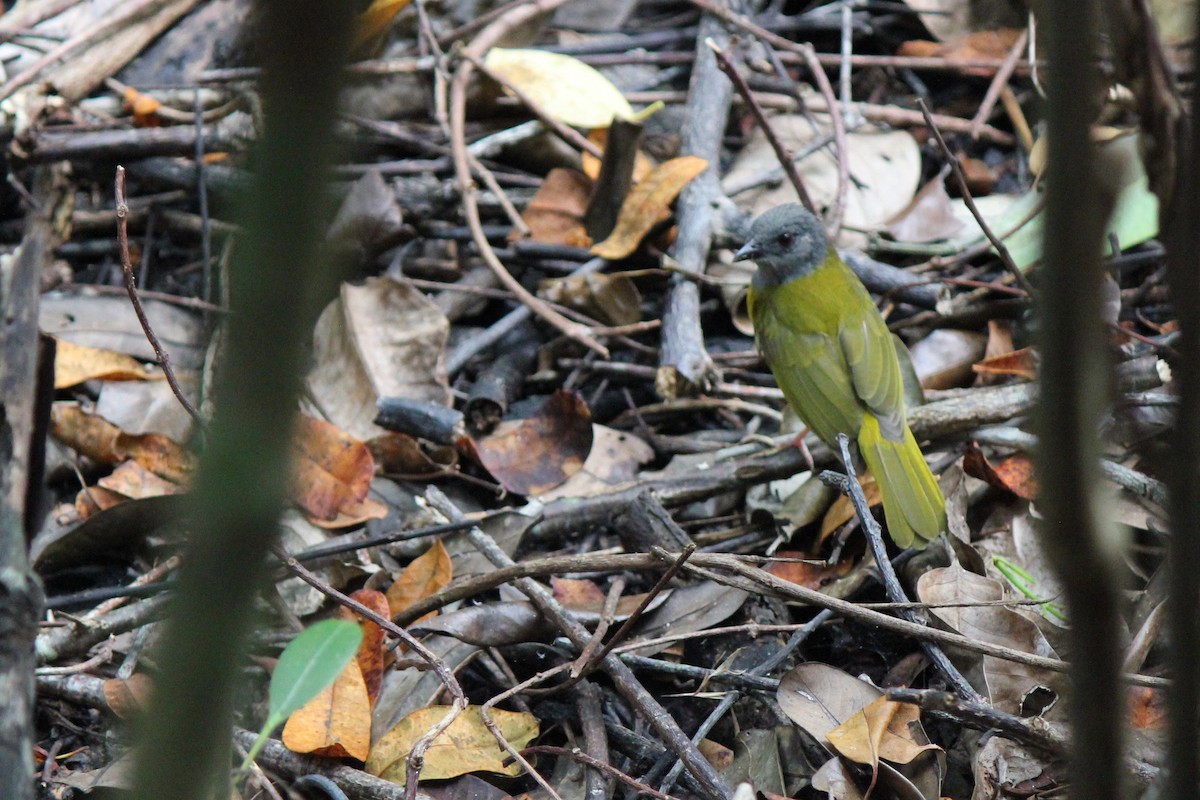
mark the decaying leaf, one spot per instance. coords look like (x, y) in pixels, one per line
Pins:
(535, 454)
(384, 338)
(613, 461)
(1014, 474)
(331, 470)
(562, 86)
(649, 204)
(555, 214)
(128, 696)
(466, 746)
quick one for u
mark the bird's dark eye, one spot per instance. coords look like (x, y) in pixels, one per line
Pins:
(786, 239)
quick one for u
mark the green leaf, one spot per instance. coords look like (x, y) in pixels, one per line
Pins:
(310, 663)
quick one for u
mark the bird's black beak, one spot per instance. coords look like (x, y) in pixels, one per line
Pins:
(749, 250)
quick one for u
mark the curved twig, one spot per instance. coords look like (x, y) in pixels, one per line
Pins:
(462, 168)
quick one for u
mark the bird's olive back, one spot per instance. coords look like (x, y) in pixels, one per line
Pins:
(789, 243)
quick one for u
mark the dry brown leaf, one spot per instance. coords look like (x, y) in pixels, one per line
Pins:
(76, 363)
(1014, 474)
(842, 510)
(331, 470)
(87, 434)
(428, 574)
(94, 499)
(160, 454)
(337, 722)
(573, 592)
(814, 574)
(648, 204)
(555, 214)
(879, 731)
(466, 746)
(536, 454)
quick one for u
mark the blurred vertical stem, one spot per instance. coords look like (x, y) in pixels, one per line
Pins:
(185, 737)
(1181, 224)
(1080, 538)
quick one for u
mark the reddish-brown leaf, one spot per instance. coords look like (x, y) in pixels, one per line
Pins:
(371, 651)
(1014, 474)
(331, 470)
(536, 454)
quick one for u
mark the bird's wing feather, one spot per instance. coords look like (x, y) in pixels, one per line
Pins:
(812, 372)
(869, 352)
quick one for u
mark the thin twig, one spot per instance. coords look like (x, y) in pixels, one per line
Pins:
(584, 758)
(999, 82)
(781, 150)
(849, 484)
(1005, 256)
(462, 170)
(839, 137)
(498, 735)
(623, 678)
(131, 287)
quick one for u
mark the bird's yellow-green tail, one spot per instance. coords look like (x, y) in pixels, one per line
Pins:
(912, 500)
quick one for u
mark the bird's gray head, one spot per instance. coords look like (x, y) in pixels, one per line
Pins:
(786, 242)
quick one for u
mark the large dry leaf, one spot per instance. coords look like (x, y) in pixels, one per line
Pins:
(648, 204)
(337, 722)
(406, 690)
(331, 470)
(428, 574)
(133, 480)
(533, 455)
(688, 609)
(562, 86)
(466, 746)
(612, 463)
(382, 339)
(885, 169)
(94, 437)
(76, 363)
(965, 601)
(489, 624)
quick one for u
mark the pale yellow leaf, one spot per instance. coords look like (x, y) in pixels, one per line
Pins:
(562, 86)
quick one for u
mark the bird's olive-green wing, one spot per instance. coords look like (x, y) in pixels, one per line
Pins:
(871, 356)
(812, 371)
